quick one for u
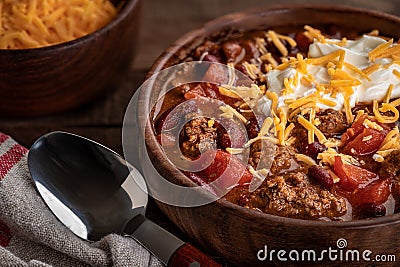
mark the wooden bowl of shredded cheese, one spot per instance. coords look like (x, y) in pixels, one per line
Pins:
(275, 224)
(61, 54)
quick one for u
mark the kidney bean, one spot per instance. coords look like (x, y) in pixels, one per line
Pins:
(333, 31)
(312, 149)
(321, 175)
(371, 210)
(251, 49)
(232, 50)
(302, 42)
(252, 128)
(212, 58)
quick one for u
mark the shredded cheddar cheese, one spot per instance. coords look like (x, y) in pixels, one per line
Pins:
(311, 131)
(379, 50)
(388, 93)
(234, 151)
(32, 23)
(306, 124)
(312, 34)
(227, 92)
(397, 73)
(326, 59)
(306, 159)
(251, 69)
(287, 106)
(385, 107)
(372, 125)
(266, 126)
(229, 112)
(269, 58)
(277, 42)
(371, 69)
(328, 156)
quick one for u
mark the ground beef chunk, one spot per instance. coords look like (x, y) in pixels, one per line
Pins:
(391, 166)
(332, 122)
(283, 159)
(260, 154)
(206, 47)
(291, 195)
(197, 136)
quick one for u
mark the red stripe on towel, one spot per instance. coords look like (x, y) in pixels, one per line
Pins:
(3, 138)
(5, 235)
(10, 158)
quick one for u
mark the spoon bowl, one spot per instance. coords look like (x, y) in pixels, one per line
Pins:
(90, 180)
(95, 192)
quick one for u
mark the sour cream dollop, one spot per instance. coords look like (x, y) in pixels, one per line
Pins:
(356, 54)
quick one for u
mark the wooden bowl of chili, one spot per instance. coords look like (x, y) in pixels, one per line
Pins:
(247, 237)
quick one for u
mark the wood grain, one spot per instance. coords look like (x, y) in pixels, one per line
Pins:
(189, 256)
(55, 78)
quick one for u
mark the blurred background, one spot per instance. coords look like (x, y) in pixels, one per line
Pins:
(168, 20)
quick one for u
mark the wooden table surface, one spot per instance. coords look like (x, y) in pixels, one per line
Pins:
(163, 21)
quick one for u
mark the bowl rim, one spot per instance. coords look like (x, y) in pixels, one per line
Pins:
(220, 23)
(125, 10)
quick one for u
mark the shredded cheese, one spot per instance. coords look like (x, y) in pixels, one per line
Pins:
(388, 93)
(306, 124)
(229, 112)
(379, 50)
(288, 130)
(328, 156)
(326, 59)
(397, 73)
(306, 159)
(251, 69)
(274, 99)
(277, 42)
(311, 131)
(385, 107)
(269, 58)
(312, 34)
(31, 23)
(234, 151)
(266, 126)
(372, 125)
(371, 69)
(227, 92)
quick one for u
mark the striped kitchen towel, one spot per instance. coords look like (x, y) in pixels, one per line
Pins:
(31, 236)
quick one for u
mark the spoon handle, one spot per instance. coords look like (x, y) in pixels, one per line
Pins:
(188, 255)
(172, 251)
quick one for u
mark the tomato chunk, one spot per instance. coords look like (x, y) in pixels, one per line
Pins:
(367, 142)
(356, 128)
(360, 140)
(227, 169)
(352, 177)
(194, 92)
(375, 193)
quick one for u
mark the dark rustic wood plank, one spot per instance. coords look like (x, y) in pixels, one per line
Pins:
(165, 21)
(100, 120)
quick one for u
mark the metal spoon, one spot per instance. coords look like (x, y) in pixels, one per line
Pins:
(91, 190)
